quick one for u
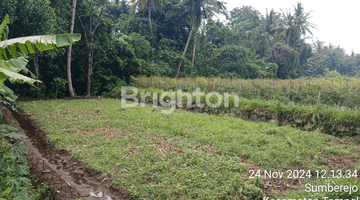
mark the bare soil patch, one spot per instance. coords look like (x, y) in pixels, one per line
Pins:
(338, 162)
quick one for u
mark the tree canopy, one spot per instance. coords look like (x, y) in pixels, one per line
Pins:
(151, 37)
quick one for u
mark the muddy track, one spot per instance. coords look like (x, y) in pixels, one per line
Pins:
(68, 178)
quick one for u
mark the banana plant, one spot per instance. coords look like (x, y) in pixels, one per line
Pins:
(13, 55)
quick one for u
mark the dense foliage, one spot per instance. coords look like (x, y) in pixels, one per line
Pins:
(13, 181)
(13, 51)
(134, 38)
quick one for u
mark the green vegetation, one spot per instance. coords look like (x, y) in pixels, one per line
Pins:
(164, 38)
(185, 154)
(326, 119)
(11, 64)
(14, 181)
(337, 91)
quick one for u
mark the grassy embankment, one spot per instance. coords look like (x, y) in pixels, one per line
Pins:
(339, 91)
(326, 119)
(189, 155)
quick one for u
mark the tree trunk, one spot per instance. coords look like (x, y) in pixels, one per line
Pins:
(150, 17)
(90, 43)
(71, 90)
(90, 59)
(186, 47)
(36, 68)
(196, 34)
(56, 91)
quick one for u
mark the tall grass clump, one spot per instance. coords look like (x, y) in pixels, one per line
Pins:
(338, 92)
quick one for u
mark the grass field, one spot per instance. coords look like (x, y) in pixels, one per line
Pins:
(190, 155)
(326, 119)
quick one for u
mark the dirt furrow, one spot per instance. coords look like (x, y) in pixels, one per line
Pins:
(68, 178)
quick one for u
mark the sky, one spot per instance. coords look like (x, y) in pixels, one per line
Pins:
(337, 21)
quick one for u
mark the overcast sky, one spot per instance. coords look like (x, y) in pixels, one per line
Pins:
(337, 21)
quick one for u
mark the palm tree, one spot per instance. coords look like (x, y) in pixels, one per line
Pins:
(142, 5)
(302, 20)
(269, 24)
(11, 63)
(318, 46)
(287, 25)
(197, 10)
(295, 25)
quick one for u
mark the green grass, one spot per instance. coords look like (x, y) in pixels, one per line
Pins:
(327, 119)
(184, 154)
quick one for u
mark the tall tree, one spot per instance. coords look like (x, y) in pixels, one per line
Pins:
(142, 5)
(197, 10)
(245, 14)
(205, 9)
(289, 49)
(295, 25)
(71, 90)
(302, 20)
(269, 23)
(90, 38)
(318, 46)
(245, 24)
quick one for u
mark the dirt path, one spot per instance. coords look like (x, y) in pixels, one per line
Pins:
(68, 178)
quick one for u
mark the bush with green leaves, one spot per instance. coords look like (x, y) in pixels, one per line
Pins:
(15, 179)
(331, 74)
(13, 164)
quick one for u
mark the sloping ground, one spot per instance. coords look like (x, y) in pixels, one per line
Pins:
(186, 155)
(69, 179)
(327, 119)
